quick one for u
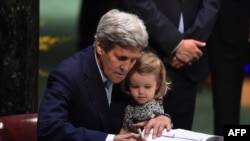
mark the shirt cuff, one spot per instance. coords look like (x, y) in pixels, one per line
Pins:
(177, 47)
(110, 137)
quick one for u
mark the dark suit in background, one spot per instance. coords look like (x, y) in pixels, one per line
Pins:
(89, 16)
(162, 19)
(228, 49)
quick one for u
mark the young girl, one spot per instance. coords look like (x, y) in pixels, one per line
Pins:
(146, 84)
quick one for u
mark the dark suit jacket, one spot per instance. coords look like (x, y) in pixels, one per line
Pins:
(74, 106)
(228, 50)
(233, 21)
(162, 19)
(89, 16)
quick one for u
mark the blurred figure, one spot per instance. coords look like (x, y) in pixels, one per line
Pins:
(90, 13)
(228, 50)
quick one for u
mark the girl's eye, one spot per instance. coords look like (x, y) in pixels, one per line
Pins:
(147, 87)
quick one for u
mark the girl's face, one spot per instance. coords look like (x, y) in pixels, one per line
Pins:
(142, 87)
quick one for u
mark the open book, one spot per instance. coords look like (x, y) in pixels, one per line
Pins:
(185, 135)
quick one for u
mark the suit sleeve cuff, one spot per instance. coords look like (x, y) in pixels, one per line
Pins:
(177, 47)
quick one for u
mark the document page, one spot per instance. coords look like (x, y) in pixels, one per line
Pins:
(181, 135)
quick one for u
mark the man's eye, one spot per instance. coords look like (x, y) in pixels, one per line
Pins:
(122, 58)
(134, 86)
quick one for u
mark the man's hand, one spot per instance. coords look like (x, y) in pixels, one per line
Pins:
(188, 52)
(158, 124)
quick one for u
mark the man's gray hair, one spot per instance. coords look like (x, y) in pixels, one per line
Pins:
(121, 28)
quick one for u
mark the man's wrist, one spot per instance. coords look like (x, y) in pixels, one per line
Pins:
(173, 51)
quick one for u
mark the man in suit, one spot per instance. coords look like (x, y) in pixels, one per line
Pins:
(178, 30)
(228, 50)
(75, 105)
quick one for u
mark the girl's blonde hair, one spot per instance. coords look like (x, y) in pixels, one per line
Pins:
(149, 63)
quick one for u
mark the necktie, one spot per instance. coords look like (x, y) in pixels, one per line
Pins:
(107, 88)
(181, 24)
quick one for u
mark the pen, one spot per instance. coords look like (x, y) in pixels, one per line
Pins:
(140, 132)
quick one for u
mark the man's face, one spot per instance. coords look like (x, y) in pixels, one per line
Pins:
(117, 62)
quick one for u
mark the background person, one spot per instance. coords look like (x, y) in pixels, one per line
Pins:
(89, 15)
(228, 50)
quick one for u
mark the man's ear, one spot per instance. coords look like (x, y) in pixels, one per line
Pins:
(98, 47)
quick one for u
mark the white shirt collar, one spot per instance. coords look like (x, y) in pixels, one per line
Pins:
(98, 65)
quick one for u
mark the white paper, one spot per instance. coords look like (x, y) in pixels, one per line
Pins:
(180, 135)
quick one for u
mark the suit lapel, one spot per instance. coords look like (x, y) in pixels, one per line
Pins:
(95, 88)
